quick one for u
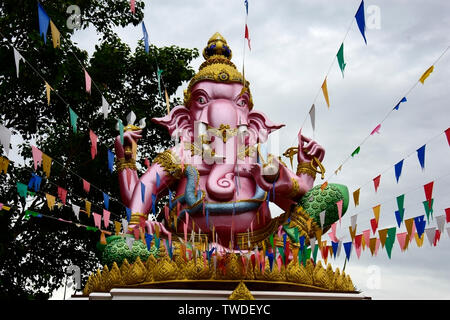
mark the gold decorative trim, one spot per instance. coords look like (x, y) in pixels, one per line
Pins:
(125, 163)
(170, 163)
(241, 293)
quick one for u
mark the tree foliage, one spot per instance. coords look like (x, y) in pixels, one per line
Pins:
(34, 252)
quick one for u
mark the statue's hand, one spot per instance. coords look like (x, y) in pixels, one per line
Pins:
(310, 150)
(129, 137)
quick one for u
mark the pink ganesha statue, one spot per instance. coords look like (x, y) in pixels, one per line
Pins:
(218, 177)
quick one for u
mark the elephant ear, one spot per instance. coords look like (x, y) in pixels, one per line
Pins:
(178, 118)
(259, 126)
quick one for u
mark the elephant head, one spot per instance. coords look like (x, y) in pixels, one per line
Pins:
(217, 117)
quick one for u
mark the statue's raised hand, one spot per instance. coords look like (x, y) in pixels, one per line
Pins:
(308, 149)
(129, 137)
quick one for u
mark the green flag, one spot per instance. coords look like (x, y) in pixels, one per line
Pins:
(306, 255)
(22, 189)
(389, 244)
(400, 202)
(159, 72)
(73, 120)
(340, 57)
(391, 232)
(316, 248)
(121, 131)
(271, 240)
(356, 151)
(88, 228)
(428, 210)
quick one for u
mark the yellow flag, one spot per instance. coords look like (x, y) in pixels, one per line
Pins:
(409, 224)
(50, 201)
(352, 232)
(157, 230)
(6, 208)
(338, 169)
(426, 74)
(88, 208)
(117, 226)
(47, 90)
(46, 164)
(319, 237)
(325, 92)
(356, 197)
(102, 238)
(167, 101)
(295, 255)
(383, 236)
(55, 35)
(376, 212)
(372, 245)
(419, 241)
(4, 162)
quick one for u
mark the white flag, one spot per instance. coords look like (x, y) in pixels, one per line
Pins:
(130, 241)
(440, 221)
(5, 138)
(76, 210)
(17, 58)
(322, 218)
(312, 242)
(431, 232)
(339, 248)
(312, 114)
(105, 108)
(353, 219)
(448, 231)
(124, 225)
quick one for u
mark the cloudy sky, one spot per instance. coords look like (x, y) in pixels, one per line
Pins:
(293, 45)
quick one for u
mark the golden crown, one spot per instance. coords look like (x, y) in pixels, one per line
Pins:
(217, 67)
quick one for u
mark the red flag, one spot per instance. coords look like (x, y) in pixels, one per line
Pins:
(86, 186)
(62, 193)
(247, 37)
(94, 139)
(437, 237)
(428, 192)
(374, 224)
(447, 214)
(376, 182)
(447, 133)
(147, 163)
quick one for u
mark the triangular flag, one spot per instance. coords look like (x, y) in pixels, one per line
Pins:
(447, 134)
(440, 221)
(419, 240)
(325, 92)
(55, 35)
(366, 235)
(87, 79)
(106, 215)
(376, 182)
(50, 201)
(4, 163)
(447, 215)
(409, 224)
(73, 120)
(86, 186)
(398, 104)
(5, 138)
(105, 108)
(398, 169)
(376, 212)
(428, 192)
(389, 244)
(431, 233)
(335, 246)
(133, 10)
(324, 185)
(17, 58)
(401, 237)
(356, 196)
(322, 218)
(47, 90)
(399, 216)
(117, 227)
(130, 241)
(247, 37)
(352, 232)
(377, 245)
(97, 220)
(401, 201)
(106, 200)
(356, 151)
(361, 20)
(76, 211)
(428, 210)
(110, 160)
(339, 206)
(88, 207)
(44, 20)
(383, 236)
(426, 74)
(22, 189)
(340, 58)
(37, 157)
(124, 225)
(312, 115)
(353, 221)
(374, 225)
(348, 249)
(128, 212)
(94, 139)
(421, 156)
(372, 245)
(62, 194)
(144, 31)
(46, 164)
(420, 223)
(167, 100)
(376, 130)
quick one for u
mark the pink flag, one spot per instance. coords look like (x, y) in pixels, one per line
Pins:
(401, 237)
(366, 234)
(87, 78)
(376, 182)
(86, 186)
(185, 231)
(132, 6)
(358, 250)
(94, 139)
(106, 215)
(187, 218)
(62, 193)
(377, 245)
(332, 234)
(279, 263)
(428, 192)
(413, 231)
(169, 235)
(376, 130)
(97, 220)
(247, 37)
(358, 240)
(339, 206)
(37, 156)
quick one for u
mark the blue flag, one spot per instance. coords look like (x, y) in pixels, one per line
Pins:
(207, 218)
(302, 242)
(44, 21)
(334, 245)
(106, 200)
(399, 216)
(246, 6)
(143, 192)
(270, 256)
(144, 30)
(361, 20)
(128, 210)
(170, 199)
(348, 249)
(148, 240)
(158, 180)
(421, 156)
(35, 182)
(154, 203)
(398, 104)
(420, 224)
(398, 170)
(284, 241)
(110, 160)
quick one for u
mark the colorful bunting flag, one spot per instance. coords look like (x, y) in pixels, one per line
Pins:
(124, 225)
(447, 134)
(356, 151)
(339, 206)
(421, 156)
(5, 138)
(76, 211)
(420, 223)
(401, 237)
(62, 194)
(325, 92)
(87, 79)
(447, 215)
(73, 120)
(374, 225)
(35, 182)
(440, 222)
(399, 216)
(46, 164)
(376, 212)
(22, 189)
(110, 160)
(4, 163)
(398, 170)
(106, 215)
(128, 211)
(400, 201)
(47, 91)
(348, 249)
(353, 221)
(419, 240)
(376, 182)
(428, 192)
(55, 35)
(361, 20)
(426, 74)
(247, 36)
(322, 218)
(133, 10)
(88, 207)
(97, 220)
(340, 58)
(356, 196)
(167, 100)
(86, 186)
(106, 200)
(37, 157)
(44, 21)
(50, 201)
(144, 31)
(431, 233)
(17, 58)
(376, 130)
(312, 115)
(398, 104)
(94, 139)
(383, 235)
(121, 131)
(428, 210)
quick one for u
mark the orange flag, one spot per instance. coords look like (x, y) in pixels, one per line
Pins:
(352, 232)
(419, 241)
(88, 208)
(356, 197)
(324, 185)
(55, 35)
(383, 236)
(376, 212)
(46, 164)
(50, 201)
(426, 74)
(117, 226)
(325, 92)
